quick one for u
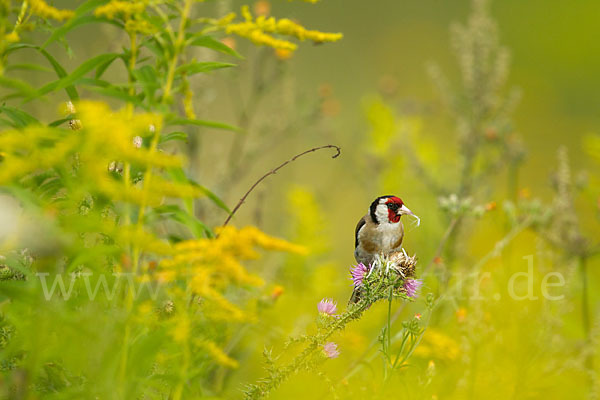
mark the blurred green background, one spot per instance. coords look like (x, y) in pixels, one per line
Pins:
(486, 349)
(489, 348)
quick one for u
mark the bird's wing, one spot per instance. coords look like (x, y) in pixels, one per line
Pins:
(360, 224)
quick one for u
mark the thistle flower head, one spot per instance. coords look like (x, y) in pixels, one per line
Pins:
(358, 273)
(330, 349)
(327, 306)
(412, 286)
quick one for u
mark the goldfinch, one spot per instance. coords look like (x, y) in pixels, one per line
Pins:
(379, 232)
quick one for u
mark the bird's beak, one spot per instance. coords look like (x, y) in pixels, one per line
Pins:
(405, 211)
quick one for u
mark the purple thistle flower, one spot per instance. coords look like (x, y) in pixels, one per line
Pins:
(327, 306)
(412, 286)
(330, 349)
(359, 272)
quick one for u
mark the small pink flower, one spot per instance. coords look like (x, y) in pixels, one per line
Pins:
(327, 306)
(412, 286)
(330, 349)
(359, 272)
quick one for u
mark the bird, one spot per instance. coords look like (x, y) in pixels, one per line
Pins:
(379, 232)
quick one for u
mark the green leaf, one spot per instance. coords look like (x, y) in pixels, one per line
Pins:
(59, 122)
(174, 136)
(27, 67)
(93, 82)
(212, 43)
(146, 77)
(74, 23)
(60, 71)
(79, 72)
(89, 6)
(103, 67)
(178, 175)
(215, 199)
(174, 212)
(5, 122)
(19, 117)
(23, 88)
(117, 93)
(80, 19)
(200, 67)
(198, 122)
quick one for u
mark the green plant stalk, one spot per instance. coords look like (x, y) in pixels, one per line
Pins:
(131, 68)
(415, 343)
(147, 180)
(136, 253)
(179, 44)
(389, 324)
(185, 366)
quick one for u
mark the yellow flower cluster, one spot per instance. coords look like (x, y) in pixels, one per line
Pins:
(213, 264)
(12, 37)
(119, 8)
(436, 344)
(139, 26)
(46, 11)
(105, 137)
(260, 31)
(217, 354)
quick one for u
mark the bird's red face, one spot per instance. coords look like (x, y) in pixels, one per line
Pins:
(394, 205)
(388, 209)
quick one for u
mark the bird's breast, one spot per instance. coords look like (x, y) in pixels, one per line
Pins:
(389, 236)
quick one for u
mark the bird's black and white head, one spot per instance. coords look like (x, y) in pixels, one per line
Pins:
(388, 210)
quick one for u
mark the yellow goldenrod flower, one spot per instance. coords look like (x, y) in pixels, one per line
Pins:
(118, 8)
(216, 353)
(226, 20)
(250, 31)
(261, 29)
(12, 37)
(145, 308)
(139, 26)
(43, 10)
(181, 331)
(290, 28)
(436, 344)
(214, 264)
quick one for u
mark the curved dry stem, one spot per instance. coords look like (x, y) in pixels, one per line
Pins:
(274, 171)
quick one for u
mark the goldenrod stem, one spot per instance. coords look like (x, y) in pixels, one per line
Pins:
(131, 68)
(178, 49)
